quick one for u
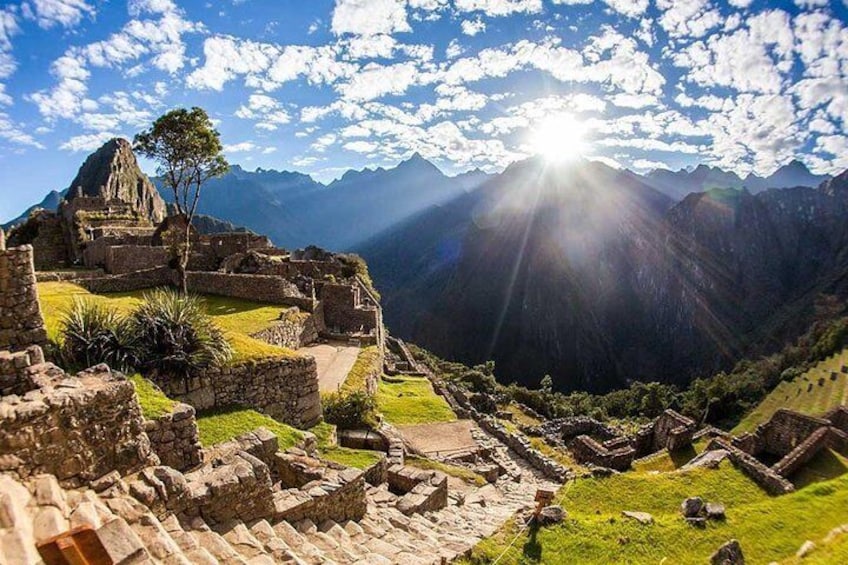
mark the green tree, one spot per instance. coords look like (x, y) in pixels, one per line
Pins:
(188, 152)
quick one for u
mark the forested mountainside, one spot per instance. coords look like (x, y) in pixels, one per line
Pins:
(590, 275)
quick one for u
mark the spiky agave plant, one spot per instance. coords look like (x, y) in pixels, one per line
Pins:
(175, 336)
(92, 334)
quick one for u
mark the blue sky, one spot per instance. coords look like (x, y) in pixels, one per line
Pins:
(321, 86)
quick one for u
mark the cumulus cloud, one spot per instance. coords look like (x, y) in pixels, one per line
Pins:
(49, 13)
(87, 142)
(369, 17)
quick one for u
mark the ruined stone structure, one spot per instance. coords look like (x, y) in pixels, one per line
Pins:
(76, 428)
(594, 443)
(21, 322)
(779, 447)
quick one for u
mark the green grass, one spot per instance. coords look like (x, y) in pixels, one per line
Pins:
(769, 528)
(804, 393)
(238, 318)
(154, 403)
(462, 473)
(663, 461)
(404, 401)
(218, 426)
(359, 458)
(519, 417)
(367, 363)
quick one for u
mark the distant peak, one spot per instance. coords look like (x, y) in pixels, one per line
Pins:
(797, 165)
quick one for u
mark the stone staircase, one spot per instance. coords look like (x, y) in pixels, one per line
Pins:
(35, 511)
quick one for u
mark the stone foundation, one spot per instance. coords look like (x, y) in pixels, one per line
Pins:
(758, 472)
(421, 491)
(285, 388)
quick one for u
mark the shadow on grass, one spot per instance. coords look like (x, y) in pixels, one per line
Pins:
(823, 467)
(682, 456)
(533, 549)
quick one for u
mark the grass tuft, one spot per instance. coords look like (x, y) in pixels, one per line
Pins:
(462, 473)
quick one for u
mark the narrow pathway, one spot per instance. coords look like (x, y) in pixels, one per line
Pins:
(335, 360)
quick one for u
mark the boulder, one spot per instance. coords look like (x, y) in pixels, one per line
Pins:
(551, 515)
(692, 507)
(715, 511)
(728, 554)
(697, 521)
(642, 517)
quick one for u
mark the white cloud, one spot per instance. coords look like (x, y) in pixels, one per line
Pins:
(87, 142)
(688, 18)
(499, 7)
(242, 147)
(49, 13)
(369, 17)
(473, 27)
(8, 28)
(268, 112)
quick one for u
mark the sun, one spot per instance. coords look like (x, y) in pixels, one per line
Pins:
(560, 137)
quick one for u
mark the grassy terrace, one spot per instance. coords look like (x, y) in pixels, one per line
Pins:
(769, 528)
(367, 363)
(815, 393)
(238, 318)
(411, 400)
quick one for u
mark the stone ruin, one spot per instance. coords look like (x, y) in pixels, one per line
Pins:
(594, 443)
(778, 448)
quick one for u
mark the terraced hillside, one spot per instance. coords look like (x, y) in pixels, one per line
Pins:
(815, 392)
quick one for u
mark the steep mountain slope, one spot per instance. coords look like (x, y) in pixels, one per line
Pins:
(589, 275)
(50, 202)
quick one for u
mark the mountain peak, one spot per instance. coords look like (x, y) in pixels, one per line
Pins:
(112, 173)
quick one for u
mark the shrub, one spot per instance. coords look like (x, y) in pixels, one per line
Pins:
(94, 334)
(175, 336)
(349, 411)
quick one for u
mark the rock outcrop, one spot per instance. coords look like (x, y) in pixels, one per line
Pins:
(112, 173)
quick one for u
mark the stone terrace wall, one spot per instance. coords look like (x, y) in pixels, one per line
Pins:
(285, 388)
(78, 429)
(258, 288)
(785, 430)
(122, 259)
(588, 451)
(293, 331)
(21, 322)
(175, 438)
(141, 280)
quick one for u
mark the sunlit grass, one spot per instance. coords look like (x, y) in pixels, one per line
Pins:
(404, 401)
(768, 528)
(154, 404)
(461, 473)
(238, 318)
(218, 426)
(367, 363)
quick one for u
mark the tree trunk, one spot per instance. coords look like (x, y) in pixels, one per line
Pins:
(182, 269)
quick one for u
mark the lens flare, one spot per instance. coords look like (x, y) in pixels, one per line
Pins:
(560, 137)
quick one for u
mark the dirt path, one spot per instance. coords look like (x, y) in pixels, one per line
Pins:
(335, 360)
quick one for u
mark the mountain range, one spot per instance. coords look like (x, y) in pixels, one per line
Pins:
(594, 275)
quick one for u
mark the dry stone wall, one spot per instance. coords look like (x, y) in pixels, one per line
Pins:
(21, 322)
(122, 259)
(77, 428)
(285, 388)
(258, 288)
(174, 437)
(294, 330)
(757, 471)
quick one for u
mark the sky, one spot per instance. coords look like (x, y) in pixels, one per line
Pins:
(321, 86)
